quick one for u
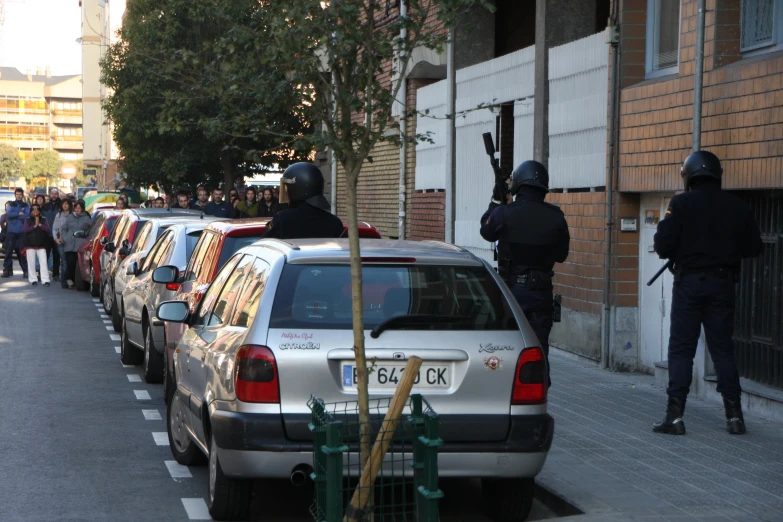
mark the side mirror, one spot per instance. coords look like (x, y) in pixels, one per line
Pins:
(133, 269)
(173, 311)
(80, 234)
(109, 247)
(104, 240)
(165, 274)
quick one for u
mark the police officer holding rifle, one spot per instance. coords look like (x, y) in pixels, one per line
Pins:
(704, 235)
(532, 236)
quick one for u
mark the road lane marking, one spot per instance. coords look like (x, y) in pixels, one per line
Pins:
(152, 415)
(132, 377)
(142, 395)
(161, 438)
(115, 337)
(196, 508)
(177, 470)
(111, 329)
(94, 300)
(104, 316)
(119, 350)
(106, 321)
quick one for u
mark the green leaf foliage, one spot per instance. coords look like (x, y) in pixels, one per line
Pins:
(10, 162)
(42, 164)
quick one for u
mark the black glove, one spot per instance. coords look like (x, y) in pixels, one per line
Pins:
(499, 194)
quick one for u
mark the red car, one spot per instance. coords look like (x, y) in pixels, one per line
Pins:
(89, 254)
(219, 241)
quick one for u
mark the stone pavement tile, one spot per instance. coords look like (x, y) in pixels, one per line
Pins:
(606, 456)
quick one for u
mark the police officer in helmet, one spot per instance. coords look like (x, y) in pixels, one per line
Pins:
(706, 232)
(308, 215)
(534, 236)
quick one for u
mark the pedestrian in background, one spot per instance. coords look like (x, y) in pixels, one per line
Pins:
(249, 208)
(217, 207)
(120, 204)
(36, 230)
(158, 203)
(706, 232)
(202, 200)
(4, 225)
(268, 207)
(183, 200)
(18, 211)
(59, 221)
(77, 220)
(50, 211)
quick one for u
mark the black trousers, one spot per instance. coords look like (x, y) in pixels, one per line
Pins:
(14, 243)
(71, 260)
(55, 256)
(708, 300)
(537, 306)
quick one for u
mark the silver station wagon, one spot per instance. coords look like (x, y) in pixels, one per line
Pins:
(275, 328)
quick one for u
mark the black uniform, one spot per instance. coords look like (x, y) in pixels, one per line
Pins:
(706, 232)
(534, 235)
(304, 221)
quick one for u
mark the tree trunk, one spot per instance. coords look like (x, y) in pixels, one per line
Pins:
(351, 177)
(228, 171)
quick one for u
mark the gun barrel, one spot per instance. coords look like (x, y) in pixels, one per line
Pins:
(489, 145)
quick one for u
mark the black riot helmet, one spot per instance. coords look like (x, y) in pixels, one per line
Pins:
(701, 164)
(529, 174)
(305, 182)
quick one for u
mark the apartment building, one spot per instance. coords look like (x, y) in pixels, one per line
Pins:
(41, 112)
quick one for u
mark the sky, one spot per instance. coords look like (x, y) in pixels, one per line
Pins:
(38, 33)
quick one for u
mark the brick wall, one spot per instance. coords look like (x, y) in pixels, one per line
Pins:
(428, 216)
(742, 109)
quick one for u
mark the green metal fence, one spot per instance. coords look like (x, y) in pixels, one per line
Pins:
(407, 485)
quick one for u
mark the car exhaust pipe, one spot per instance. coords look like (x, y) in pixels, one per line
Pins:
(300, 474)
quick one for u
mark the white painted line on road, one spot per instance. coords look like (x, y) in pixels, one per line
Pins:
(196, 508)
(104, 316)
(134, 378)
(142, 395)
(119, 350)
(177, 470)
(115, 337)
(97, 305)
(110, 328)
(161, 438)
(124, 365)
(151, 415)
(106, 321)
(94, 300)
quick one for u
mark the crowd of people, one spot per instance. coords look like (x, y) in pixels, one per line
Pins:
(39, 229)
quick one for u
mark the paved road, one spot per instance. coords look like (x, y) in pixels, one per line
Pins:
(84, 438)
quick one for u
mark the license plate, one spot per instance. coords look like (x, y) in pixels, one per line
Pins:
(387, 375)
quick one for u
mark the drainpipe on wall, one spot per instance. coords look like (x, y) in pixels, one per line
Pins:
(698, 79)
(451, 134)
(333, 187)
(403, 126)
(610, 175)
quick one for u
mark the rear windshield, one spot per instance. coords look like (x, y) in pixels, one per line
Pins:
(232, 244)
(319, 297)
(190, 242)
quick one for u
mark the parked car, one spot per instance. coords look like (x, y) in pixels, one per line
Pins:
(89, 254)
(142, 332)
(276, 326)
(148, 233)
(218, 243)
(119, 244)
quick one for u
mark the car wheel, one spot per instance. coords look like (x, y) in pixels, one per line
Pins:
(168, 382)
(182, 447)
(229, 499)
(107, 301)
(129, 354)
(116, 318)
(95, 290)
(81, 286)
(507, 500)
(153, 362)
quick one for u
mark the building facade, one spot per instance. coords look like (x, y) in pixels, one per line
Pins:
(41, 112)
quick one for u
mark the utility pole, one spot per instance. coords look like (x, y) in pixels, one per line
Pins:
(541, 104)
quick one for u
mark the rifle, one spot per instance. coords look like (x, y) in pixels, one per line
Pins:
(665, 267)
(500, 178)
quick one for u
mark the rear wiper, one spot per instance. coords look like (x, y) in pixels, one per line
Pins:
(416, 319)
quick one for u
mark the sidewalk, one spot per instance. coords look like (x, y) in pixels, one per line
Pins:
(606, 461)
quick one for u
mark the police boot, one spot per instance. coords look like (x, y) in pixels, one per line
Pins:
(735, 422)
(672, 423)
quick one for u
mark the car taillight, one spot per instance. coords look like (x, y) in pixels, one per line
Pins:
(530, 379)
(255, 375)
